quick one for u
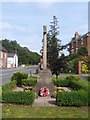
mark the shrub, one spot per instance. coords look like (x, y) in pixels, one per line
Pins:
(26, 98)
(31, 81)
(71, 81)
(60, 82)
(72, 78)
(84, 68)
(74, 98)
(18, 76)
(8, 86)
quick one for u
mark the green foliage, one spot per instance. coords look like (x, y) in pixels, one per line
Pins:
(77, 97)
(25, 56)
(53, 45)
(76, 83)
(18, 76)
(31, 81)
(26, 98)
(71, 81)
(72, 60)
(84, 68)
(74, 98)
(8, 86)
(60, 82)
(83, 51)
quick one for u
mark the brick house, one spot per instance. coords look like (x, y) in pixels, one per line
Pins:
(3, 57)
(77, 41)
(75, 44)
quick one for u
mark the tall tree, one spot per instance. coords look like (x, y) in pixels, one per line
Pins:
(53, 44)
(25, 56)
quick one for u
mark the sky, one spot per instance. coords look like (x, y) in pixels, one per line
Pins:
(23, 21)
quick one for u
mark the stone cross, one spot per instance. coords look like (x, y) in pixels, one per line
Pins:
(44, 47)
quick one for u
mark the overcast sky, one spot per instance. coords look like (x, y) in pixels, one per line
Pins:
(23, 21)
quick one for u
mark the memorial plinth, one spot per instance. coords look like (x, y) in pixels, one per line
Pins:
(44, 80)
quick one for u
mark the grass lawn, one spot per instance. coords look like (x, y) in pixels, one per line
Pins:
(21, 111)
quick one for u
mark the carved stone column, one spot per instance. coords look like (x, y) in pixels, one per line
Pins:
(44, 47)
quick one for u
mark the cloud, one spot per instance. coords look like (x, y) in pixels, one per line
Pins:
(7, 26)
(33, 42)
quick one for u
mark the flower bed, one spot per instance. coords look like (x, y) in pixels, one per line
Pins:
(78, 96)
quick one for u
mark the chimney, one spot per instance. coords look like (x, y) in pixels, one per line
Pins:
(76, 35)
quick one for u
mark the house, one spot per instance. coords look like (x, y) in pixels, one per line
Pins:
(77, 41)
(75, 44)
(12, 60)
(3, 57)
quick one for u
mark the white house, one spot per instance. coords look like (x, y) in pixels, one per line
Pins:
(12, 60)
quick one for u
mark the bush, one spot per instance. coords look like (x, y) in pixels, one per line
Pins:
(26, 98)
(31, 81)
(60, 82)
(72, 78)
(74, 98)
(18, 76)
(71, 81)
(8, 86)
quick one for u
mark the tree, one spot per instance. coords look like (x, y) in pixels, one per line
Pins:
(53, 45)
(25, 56)
(60, 66)
(83, 51)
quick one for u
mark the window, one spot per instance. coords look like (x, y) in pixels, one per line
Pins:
(1, 54)
(76, 50)
(72, 45)
(76, 43)
(81, 41)
(72, 51)
(5, 55)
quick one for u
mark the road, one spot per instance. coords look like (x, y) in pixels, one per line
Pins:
(5, 74)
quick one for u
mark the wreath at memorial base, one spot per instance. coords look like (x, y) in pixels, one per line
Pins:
(44, 91)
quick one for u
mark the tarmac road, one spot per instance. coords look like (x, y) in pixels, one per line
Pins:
(5, 74)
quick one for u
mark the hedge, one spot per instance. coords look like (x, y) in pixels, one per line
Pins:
(18, 76)
(71, 81)
(73, 98)
(60, 82)
(30, 81)
(26, 98)
(8, 86)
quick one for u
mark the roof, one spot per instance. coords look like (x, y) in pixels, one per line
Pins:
(11, 54)
(85, 35)
(2, 48)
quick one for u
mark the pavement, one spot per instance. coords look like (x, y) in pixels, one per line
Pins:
(45, 101)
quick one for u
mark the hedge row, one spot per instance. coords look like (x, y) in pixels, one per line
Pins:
(30, 81)
(26, 98)
(19, 76)
(71, 81)
(22, 78)
(74, 98)
(8, 86)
